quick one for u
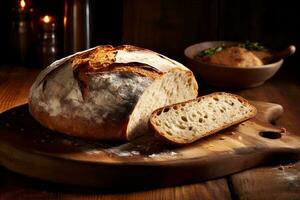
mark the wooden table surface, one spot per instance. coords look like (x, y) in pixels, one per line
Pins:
(268, 182)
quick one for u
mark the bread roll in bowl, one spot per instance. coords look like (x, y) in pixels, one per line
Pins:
(108, 93)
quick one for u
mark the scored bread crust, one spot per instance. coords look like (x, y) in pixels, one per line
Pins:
(91, 94)
(177, 141)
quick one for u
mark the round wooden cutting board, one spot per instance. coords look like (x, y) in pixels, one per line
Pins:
(30, 149)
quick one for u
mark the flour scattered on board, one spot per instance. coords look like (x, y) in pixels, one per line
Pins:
(93, 152)
(163, 154)
(123, 153)
(130, 153)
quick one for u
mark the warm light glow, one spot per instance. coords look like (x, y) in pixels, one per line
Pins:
(22, 4)
(65, 21)
(47, 19)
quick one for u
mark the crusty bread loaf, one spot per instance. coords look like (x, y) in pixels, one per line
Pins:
(108, 92)
(186, 122)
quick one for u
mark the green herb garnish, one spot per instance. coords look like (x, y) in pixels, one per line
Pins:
(210, 51)
(253, 46)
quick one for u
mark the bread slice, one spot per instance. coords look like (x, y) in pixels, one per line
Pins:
(186, 122)
(172, 87)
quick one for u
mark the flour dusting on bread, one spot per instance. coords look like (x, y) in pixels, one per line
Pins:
(94, 94)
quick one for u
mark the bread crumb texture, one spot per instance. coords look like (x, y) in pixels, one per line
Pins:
(189, 121)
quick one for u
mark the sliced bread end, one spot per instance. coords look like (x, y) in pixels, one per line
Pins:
(188, 121)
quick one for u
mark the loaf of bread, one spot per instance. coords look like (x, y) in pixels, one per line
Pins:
(186, 122)
(108, 92)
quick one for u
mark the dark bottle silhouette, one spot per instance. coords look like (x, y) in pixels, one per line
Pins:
(77, 28)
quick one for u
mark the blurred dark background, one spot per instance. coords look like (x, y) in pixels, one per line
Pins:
(168, 26)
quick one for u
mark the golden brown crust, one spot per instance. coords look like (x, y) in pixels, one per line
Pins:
(70, 102)
(137, 68)
(102, 59)
(101, 56)
(81, 127)
(176, 141)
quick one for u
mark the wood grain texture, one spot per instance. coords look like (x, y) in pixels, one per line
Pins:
(273, 24)
(283, 89)
(168, 25)
(272, 182)
(15, 85)
(19, 187)
(14, 186)
(30, 149)
(278, 182)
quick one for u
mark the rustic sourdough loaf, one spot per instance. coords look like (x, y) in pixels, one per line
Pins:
(108, 92)
(186, 122)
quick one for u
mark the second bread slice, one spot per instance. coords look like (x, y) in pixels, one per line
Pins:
(189, 121)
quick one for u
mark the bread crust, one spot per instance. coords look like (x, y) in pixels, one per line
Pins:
(176, 141)
(81, 127)
(91, 94)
